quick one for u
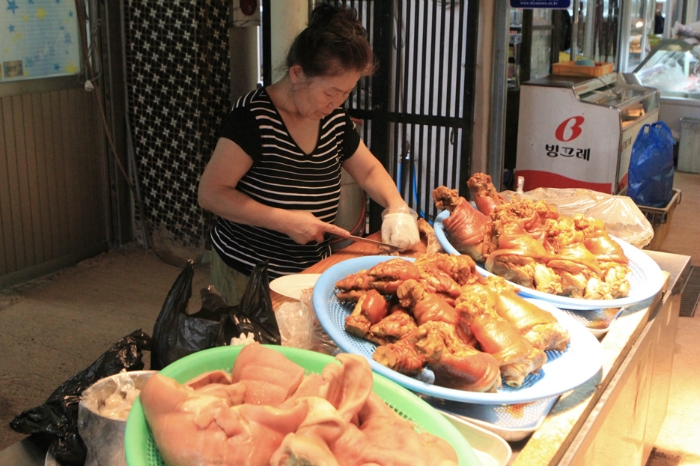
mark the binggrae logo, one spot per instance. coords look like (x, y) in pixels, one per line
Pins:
(567, 131)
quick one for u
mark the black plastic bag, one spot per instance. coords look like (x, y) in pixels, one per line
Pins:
(254, 314)
(650, 174)
(177, 334)
(215, 309)
(236, 320)
(55, 423)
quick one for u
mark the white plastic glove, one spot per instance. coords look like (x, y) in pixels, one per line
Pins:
(400, 228)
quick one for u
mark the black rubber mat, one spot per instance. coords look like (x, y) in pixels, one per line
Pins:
(691, 293)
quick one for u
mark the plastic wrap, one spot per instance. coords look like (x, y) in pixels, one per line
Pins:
(300, 328)
(621, 216)
(102, 414)
(400, 227)
(689, 32)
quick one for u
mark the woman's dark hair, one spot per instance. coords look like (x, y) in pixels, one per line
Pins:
(334, 41)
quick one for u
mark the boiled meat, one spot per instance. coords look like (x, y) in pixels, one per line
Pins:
(267, 375)
(332, 418)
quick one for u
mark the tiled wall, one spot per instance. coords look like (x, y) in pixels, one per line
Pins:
(178, 83)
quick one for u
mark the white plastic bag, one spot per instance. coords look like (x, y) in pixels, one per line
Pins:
(300, 328)
(621, 216)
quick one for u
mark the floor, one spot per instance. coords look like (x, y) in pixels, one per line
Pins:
(56, 326)
(678, 443)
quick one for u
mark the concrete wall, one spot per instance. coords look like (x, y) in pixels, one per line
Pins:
(484, 71)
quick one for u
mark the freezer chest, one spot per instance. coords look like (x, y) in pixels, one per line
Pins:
(578, 131)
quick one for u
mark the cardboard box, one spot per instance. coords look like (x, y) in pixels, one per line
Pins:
(660, 218)
(569, 68)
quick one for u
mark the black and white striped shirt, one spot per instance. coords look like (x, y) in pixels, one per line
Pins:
(282, 176)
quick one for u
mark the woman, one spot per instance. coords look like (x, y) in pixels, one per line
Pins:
(274, 177)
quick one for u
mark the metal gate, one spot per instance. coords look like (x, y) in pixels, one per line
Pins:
(417, 109)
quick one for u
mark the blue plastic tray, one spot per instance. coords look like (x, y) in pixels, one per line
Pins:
(563, 371)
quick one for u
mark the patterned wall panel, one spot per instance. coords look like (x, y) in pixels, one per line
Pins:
(178, 86)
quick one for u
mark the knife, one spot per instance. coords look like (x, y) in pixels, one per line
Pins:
(360, 239)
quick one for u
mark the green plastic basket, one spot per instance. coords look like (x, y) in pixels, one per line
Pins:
(141, 449)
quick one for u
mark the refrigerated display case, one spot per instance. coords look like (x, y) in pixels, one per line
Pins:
(578, 132)
(673, 67)
(635, 33)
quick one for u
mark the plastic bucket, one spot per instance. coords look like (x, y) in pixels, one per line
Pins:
(104, 436)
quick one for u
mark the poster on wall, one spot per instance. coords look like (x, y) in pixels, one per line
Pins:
(38, 39)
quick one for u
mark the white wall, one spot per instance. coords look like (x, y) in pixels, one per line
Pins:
(288, 18)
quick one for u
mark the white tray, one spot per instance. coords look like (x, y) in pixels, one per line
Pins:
(646, 278)
(510, 422)
(490, 448)
(291, 286)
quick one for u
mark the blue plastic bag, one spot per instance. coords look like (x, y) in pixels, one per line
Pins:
(650, 174)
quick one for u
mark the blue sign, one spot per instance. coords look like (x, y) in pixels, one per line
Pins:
(552, 4)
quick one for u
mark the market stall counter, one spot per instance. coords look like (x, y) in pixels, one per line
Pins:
(590, 424)
(586, 425)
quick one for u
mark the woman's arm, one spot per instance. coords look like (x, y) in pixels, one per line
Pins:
(370, 174)
(399, 225)
(218, 194)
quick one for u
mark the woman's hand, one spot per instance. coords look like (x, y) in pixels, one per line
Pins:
(400, 228)
(304, 227)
